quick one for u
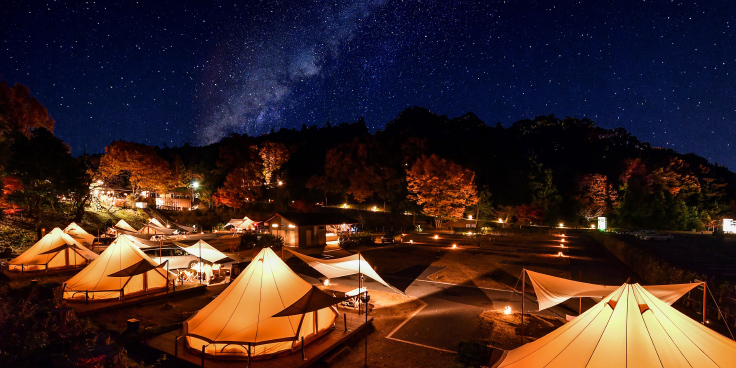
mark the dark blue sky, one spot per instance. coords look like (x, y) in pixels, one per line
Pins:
(192, 71)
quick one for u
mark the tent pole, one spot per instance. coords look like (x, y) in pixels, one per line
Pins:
(705, 286)
(523, 291)
(360, 283)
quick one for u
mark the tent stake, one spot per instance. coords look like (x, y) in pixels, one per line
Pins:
(523, 291)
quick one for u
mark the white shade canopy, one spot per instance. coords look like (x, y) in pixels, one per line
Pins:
(123, 225)
(345, 266)
(553, 290)
(628, 328)
(203, 250)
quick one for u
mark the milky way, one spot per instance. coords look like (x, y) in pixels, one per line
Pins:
(175, 73)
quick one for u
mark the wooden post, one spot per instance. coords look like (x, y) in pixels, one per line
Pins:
(345, 318)
(523, 291)
(202, 363)
(303, 356)
(705, 286)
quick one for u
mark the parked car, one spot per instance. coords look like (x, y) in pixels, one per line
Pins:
(389, 237)
(177, 257)
(656, 236)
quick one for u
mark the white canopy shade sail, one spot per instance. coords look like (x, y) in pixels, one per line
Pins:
(202, 249)
(345, 266)
(553, 290)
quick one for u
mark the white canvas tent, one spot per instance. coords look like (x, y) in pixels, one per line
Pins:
(628, 328)
(56, 250)
(553, 290)
(123, 227)
(156, 222)
(121, 270)
(203, 250)
(76, 232)
(240, 322)
(244, 223)
(345, 266)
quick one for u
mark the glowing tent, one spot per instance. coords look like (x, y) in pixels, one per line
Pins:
(240, 322)
(121, 270)
(244, 223)
(154, 221)
(76, 232)
(56, 250)
(553, 290)
(628, 328)
(202, 249)
(123, 227)
(345, 266)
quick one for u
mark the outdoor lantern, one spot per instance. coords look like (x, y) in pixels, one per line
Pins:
(454, 246)
(436, 237)
(507, 310)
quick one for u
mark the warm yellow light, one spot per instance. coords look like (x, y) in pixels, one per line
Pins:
(560, 254)
(592, 226)
(274, 225)
(562, 225)
(500, 221)
(291, 226)
(562, 240)
(281, 183)
(345, 205)
(507, 310)
(454, 246)
(436, 236)
(375, 208)
(411, 241)
(327, 282)
(470, 217)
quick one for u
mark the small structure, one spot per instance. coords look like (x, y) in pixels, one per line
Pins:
(628, 328)
(305, 229)
(266, 311)
(121, 270)
(76, 232)
(56, 250)
(173, 201)
(203, 250)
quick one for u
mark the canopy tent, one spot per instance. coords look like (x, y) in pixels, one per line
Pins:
(315, 299)
(245, 223)
(203, 250)
(151, 229)
(240, 322)
(141, 243)
(124, 226)
(76, 232)
(56, 250)
(628, 328)
(338, 267)
(121, 270)
(553, 290)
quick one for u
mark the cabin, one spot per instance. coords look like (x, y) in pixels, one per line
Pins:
(306, 229)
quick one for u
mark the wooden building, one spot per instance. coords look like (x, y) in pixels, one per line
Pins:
(306, 229)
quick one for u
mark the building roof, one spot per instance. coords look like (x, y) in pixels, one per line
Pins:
(314, 218)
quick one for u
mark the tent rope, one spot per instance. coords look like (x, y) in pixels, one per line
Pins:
(720, 313)
(515, 285)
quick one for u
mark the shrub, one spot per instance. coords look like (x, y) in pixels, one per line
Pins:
(354, 240)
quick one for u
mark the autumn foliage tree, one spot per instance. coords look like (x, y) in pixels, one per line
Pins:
(145, 168)
(273, 155)
(594, 195)
(21, 112)
(443, 188)
(242, 185)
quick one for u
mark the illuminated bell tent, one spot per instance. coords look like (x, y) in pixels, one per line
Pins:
(56, 250)
(242, 321)
(628, 328)
(121, 270)
(79, 234)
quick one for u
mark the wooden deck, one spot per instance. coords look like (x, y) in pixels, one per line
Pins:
(81, 308)
(313, 351)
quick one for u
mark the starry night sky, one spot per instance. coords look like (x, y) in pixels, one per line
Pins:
(191, 71)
